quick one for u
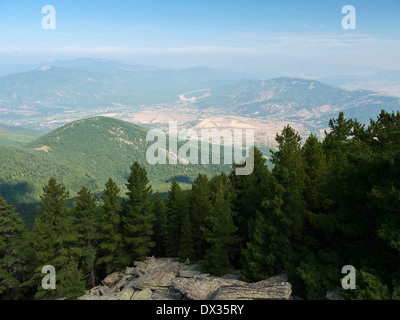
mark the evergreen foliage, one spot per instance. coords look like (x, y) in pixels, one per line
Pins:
(221, 236)
(15, 256)
(86, 224)
(138, 219)
(176, 210)
(159, 209)
(319, 206)
(54, 241)
(110, 242)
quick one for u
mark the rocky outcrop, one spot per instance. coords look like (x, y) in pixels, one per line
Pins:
(168, 279)
(276, 291)
(202, 288)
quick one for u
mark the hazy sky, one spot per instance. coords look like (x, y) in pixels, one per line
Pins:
(215, 33)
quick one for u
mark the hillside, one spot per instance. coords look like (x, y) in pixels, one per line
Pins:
(295, 99)
(86, 153)
(16, 136)
(23, 174)
(107, 147)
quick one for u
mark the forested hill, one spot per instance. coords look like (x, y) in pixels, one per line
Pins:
(85, 152)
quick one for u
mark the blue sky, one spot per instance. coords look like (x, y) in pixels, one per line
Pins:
(218, 33)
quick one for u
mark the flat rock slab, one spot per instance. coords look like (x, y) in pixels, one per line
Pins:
(125, 294)
(251, 291)
(166, 295)
(202, 288)
(155, 280)
(142, 295)
(188, 273)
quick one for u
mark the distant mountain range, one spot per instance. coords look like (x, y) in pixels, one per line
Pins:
(63, 91)
(295, 99)
(91, 84)
(85, 153)
(387, 82)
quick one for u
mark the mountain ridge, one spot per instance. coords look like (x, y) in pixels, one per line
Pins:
(295, 99)
(87, 153)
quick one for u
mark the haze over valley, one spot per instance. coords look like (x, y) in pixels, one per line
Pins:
(50, 96)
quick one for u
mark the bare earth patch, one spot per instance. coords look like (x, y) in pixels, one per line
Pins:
(44, 148)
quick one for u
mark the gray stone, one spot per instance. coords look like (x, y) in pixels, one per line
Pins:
(112, 279)
(166, 295)
(104, 289)
(130, 271)
(202, 288)
(94, 291)
(155, 280)
(167, 279)
(251, 291)
(273, 280)
(142, 295)
(125, 294)
(188, 273)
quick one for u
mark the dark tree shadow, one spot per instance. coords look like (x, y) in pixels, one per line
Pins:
(19, 194)
(180, 179)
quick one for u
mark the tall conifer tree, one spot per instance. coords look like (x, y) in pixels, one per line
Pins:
(110, 244)
(176, 210)
(86, 224)
(221, 236)
(199, 210)
(138, 221)
(54, 241)
(159, 209)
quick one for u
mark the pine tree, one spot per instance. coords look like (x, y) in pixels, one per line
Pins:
(110, 257)
(221, 235)
(289, 172)
(250, 191)
(319, 223)
(187, 243)
(382, 207)
(54, 240)
(159, 210)
(349, 181)
(199, 210)
(86, 224)
(138, 221)
(16, 256)
(260, 259)
(276, 233)
(73, 279)
(317, 271)
(176, 205)
(316, 170)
